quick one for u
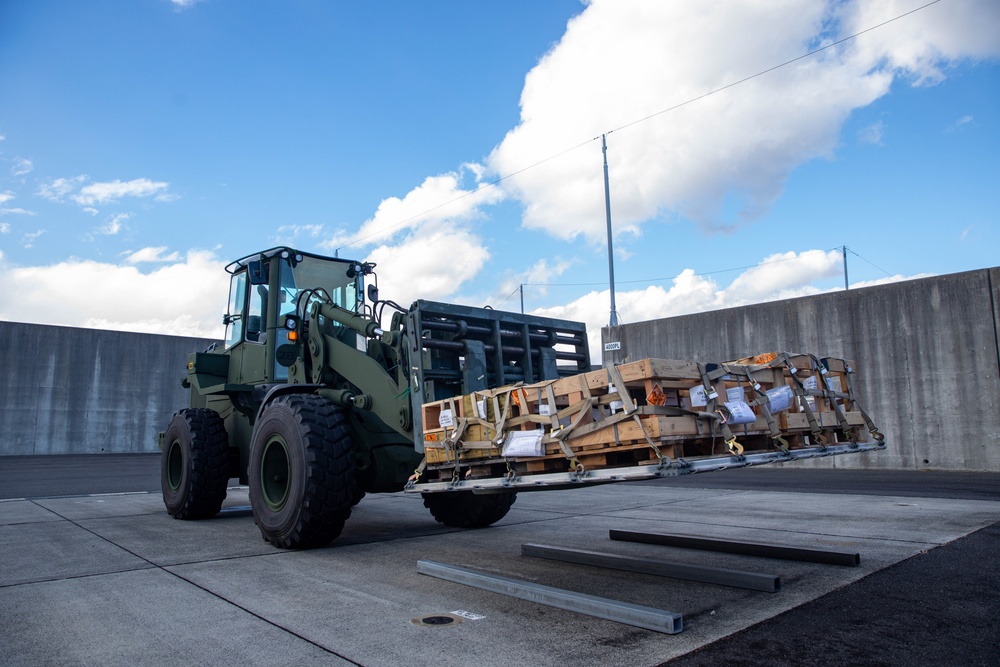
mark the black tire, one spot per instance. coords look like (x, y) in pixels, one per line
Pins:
(301, 472)
(194, 467)
(465, 509)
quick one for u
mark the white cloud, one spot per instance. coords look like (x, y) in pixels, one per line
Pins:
(4, 228)
(872, 134)
(28, 240)
(622, 60)
(21, 167)
(536, 278)
(960, 123)
(184, 4)
(152, 255)
(438, 198)
(57, 189)
(186, 297)
(111, 191)
(921, 46)
(6, 196)
(430, 263)
(289, 234)
(113, 225)
(781, 276)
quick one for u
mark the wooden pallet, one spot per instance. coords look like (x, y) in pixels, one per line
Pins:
(675, 410)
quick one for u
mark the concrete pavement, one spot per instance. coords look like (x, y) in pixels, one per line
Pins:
(113, 580)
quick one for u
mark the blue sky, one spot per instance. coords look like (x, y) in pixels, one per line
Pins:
(146, 143)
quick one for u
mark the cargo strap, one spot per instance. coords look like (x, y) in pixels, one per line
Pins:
(415, 477)
(797, 386)
(762, 401)
(849, 394)
(828, 394)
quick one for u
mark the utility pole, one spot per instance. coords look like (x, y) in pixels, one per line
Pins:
(611, 252)
(521, 287)
(846, 286)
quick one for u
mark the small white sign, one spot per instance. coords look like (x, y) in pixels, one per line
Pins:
(810, 383)
(524, 443)
(446, 419)
(740, 413)
(698, 398)
(779, 398)
(734, 394)
(671, 397)
(611, 347)
(544, 409)
(481, 408)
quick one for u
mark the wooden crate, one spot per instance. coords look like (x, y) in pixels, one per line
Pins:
(683, 423)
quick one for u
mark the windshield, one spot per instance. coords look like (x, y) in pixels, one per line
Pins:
(312, 273)
(297, 282)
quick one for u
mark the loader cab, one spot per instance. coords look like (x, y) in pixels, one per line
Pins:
(267, 286)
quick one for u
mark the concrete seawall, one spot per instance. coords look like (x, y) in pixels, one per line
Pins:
(926, 353)
(79, 391)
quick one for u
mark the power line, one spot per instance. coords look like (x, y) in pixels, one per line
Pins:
(494, 183)
(875, 265)
(771, 69)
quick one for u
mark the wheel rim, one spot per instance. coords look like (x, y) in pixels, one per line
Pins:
(275, 472)
(175, 465)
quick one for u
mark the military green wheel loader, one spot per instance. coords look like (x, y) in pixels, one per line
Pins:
(314, 398)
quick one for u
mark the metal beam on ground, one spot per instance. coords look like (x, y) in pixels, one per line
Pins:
(768, 583)
(649, 618)
(745, 548)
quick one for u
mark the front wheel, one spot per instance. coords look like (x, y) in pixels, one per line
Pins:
(465, 509)
(301, 472)
(194, 468)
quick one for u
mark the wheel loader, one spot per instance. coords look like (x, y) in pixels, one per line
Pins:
(313, 399)
(322, 392)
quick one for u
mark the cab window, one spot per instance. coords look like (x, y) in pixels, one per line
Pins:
(234, 315)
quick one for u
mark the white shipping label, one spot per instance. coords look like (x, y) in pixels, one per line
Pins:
(671, 397)
(544, 409)
(446, 418)
(698, 398)
(833, 383)
(811, 383)
(779, 398)
(481, 408)
(740, 413)
(524, 443)
(734, 394)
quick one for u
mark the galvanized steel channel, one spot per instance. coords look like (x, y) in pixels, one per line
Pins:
(745, 548)
(768, 583)
(613, 610)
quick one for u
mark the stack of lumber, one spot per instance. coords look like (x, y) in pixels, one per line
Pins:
(644, 412)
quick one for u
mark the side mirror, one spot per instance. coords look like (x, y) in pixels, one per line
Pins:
(372, 293)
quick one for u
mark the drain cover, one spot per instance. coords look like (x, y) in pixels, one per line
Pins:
(437, 620)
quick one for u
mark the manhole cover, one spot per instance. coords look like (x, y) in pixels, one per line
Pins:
(437, 620)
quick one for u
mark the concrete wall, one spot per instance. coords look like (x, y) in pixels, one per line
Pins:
(76, 391)
(926, 353)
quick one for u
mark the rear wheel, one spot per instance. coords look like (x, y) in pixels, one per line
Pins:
(194, 467)
(465, 509)
(301, 472)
